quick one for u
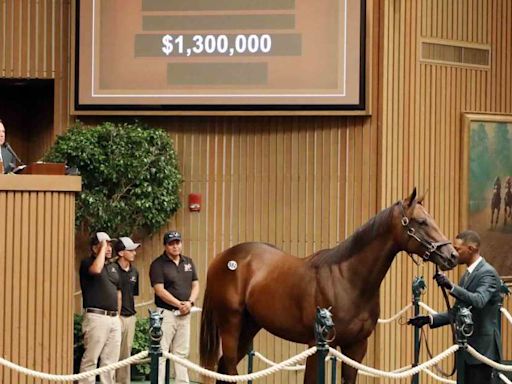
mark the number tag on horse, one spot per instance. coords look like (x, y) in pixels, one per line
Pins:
(232, 265)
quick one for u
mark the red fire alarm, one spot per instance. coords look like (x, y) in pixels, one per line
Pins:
(194, 202)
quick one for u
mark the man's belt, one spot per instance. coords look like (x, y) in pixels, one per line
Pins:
(101, 311)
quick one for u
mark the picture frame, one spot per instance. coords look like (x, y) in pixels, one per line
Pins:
(486, 186)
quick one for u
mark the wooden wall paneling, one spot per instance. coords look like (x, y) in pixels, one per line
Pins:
(433, 107)
(4, 223)
(8, 352)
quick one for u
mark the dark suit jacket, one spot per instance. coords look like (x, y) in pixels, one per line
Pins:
(8, 159)
(480, 291)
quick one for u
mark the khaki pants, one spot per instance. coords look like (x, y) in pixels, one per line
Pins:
(175, 339)
(102, 340)
(127, 333)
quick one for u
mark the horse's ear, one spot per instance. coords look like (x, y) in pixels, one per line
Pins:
(411, 200)
(422, 197)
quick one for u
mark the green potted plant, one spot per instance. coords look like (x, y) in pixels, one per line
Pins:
(78, 342)
(140, 371)
(130, 176)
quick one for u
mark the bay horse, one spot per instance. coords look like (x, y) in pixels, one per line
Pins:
(496, 201)
(507, 200)
(254, 285)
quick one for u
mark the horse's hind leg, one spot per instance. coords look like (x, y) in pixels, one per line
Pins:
(229, 333)
(249, 329)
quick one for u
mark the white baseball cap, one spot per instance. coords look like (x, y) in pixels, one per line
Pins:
(98, 237)
(125, 243)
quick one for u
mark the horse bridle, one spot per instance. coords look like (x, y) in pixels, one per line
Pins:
(430, 246)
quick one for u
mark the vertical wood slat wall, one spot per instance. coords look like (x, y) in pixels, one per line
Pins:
(417, 115)
(293, 182)
(35, 44)
(422, 106)
(36, 281)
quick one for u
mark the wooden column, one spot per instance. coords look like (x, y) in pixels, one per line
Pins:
(37, 236)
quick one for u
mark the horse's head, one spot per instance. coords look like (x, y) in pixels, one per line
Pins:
(421, 236)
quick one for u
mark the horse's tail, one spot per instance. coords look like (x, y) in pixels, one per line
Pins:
(209, 344)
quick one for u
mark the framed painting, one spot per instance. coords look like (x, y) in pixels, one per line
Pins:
(486, 191)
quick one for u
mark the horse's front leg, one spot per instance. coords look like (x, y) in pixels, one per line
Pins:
(357, 353)
(310, 374)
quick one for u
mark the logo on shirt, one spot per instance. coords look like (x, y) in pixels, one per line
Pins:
(133, 279)
(188, 267)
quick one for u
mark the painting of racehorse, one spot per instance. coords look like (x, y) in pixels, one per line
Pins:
(488, 155)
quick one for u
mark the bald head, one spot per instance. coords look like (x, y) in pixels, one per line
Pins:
(2, 133)
(470, 237)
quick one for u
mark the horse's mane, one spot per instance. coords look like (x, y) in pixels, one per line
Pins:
(351, 246)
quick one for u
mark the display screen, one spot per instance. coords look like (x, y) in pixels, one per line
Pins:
(220, 54)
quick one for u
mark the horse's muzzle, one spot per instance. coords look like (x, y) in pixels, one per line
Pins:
(450, 262)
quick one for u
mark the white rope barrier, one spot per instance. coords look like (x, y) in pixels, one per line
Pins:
(272, 363)
(507, 314)
(438, 378)
(253, 376)
(504, 378)
(78, 376)
(396, 316)
(149, 302)
(395, 371)
(399, 375)
(427, 308)
(486, 360)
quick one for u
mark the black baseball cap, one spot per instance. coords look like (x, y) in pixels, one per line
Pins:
(171, 236)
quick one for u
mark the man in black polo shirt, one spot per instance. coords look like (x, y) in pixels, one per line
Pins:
(101, 295)
(129, 276)
(174, 280)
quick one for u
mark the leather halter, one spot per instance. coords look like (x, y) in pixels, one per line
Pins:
(431, 247)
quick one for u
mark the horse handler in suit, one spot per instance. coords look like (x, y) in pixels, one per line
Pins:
(478, 290)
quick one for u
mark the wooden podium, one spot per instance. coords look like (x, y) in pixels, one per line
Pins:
(37, 238)
(44, 169)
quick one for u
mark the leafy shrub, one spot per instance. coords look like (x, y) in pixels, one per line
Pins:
(130, 176)
(78, 342)
(141, 343)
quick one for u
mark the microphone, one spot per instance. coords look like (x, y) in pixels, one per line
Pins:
(9, 148)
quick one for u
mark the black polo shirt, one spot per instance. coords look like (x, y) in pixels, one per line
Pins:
(99, 291)
(129, 281)
(177, 279)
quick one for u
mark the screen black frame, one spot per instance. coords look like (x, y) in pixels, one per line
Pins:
(321, 108)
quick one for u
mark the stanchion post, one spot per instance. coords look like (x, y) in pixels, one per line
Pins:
(155, 335)
(250, 361)
(167, 371)
(418, 286)
(463, 329)
(504, 291)
(333, 369)
(323, 326)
